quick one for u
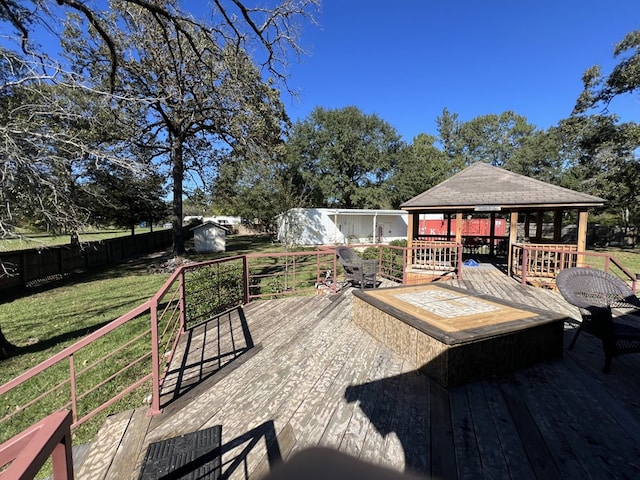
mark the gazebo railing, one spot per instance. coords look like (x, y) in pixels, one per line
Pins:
(435, 256)
(534, 263)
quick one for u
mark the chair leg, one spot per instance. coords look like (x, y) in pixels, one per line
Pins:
(575, 337)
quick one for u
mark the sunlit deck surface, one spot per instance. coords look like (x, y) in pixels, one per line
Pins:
(283, 375)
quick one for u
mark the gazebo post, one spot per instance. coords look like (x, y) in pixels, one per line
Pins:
(557, 226)
(527, 224)
(492, 234)
(513, 236)
(539, 224)
(582, 235)
(459, 227)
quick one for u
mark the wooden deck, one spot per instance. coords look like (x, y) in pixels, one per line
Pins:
(283, 375)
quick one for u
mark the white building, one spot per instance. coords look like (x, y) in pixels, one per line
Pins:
(331, 226)
(210, 237)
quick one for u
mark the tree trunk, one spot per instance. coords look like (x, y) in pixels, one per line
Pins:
(177, 174)
(7, 349)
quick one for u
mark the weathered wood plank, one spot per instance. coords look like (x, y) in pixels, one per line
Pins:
(127, 453)
(464, 435)
(443, 458)
(538, 454)
(512, 446)
(103, 450)
(489, 446)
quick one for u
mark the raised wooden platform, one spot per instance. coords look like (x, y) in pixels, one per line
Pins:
(308, 376)
(454, 336)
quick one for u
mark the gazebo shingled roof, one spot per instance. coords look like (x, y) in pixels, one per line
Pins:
(483, 185)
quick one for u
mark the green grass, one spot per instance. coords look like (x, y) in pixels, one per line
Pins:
(29, 240)
(629, 258)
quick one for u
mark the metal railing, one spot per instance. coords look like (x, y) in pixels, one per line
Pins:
(90, 379)
(24, 455)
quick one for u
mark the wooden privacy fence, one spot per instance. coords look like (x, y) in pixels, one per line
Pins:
(25, 268)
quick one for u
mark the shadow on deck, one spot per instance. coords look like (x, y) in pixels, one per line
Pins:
(282, 376)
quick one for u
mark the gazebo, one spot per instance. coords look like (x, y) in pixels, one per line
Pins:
(533, 211)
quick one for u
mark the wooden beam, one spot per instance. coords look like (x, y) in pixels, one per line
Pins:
(539, 223)
(557, 226)
(411, 228)
(513, 236)
(492, 234)
(582, 235)
(459, 227)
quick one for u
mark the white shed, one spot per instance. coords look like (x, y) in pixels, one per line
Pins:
(331, 226)
(209, 237)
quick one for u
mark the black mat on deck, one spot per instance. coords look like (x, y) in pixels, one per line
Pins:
(189, 457)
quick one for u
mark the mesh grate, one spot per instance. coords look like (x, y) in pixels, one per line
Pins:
(192, 456)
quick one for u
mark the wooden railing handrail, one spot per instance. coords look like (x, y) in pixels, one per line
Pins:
(568, 249)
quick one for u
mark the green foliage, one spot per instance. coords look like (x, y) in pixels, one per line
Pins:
(600, 90)
(420, 166)
(345, 157)
(213, 289)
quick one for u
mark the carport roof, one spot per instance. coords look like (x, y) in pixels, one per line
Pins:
(482, 187)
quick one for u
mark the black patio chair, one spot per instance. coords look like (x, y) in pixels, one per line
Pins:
(598, 294)
(356, 270)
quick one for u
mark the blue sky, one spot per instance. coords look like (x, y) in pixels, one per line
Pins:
(406, 60)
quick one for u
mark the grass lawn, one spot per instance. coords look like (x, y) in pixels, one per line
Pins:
(50, 318)
(629, 258)
(38, 240)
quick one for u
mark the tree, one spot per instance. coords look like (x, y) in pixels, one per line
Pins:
(421, 165)
(192, 95)
(493, 139)
(449, 138)
(43, 136)
(173, 50)
(119, 197)
(601, 89)
(604, 162)
(348, 155)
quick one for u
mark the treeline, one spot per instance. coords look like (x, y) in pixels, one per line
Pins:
(346, 158)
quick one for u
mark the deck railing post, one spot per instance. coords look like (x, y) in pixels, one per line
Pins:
(525, 265)
(155, 359)
(405, 261)
(182, 285)
(245, 280)
(62, 457)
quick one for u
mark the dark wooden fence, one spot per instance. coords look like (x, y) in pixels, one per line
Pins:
(26, 268)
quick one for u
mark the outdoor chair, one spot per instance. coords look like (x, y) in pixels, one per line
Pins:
(599, 295)
(356, 270)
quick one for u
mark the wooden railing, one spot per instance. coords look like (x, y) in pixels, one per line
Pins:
(435, 257)
(542, 260)
(537, 262)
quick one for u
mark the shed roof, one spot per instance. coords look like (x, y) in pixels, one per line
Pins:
(482, 186)
(208, 224)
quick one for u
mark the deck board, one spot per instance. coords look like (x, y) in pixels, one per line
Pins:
(283, 375)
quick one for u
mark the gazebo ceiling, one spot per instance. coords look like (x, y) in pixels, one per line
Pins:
(482, 187)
